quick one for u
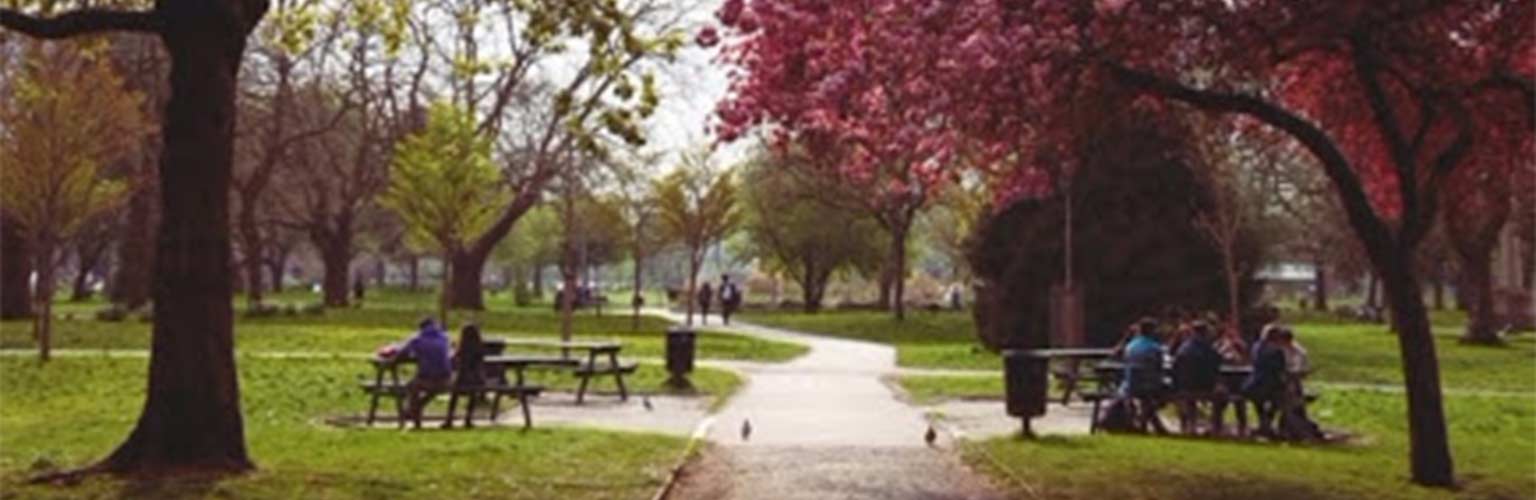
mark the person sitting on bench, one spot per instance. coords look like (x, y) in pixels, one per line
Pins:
(1143, 380)
(1196, 373)
(429, 347)
(469, 373)
(1266, 386)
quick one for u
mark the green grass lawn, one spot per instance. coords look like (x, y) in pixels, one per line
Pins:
(389, 317)
(73, 410)
(1493, 442)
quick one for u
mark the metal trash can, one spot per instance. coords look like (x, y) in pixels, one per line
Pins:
(1024, 384)
(680, 350)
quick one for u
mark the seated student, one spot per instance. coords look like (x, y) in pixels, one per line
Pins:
(1234, 351)
(1295, 424)
(469, 372)
(429, 347)
(1143, 378)
(1266, 386)
(1196, 372)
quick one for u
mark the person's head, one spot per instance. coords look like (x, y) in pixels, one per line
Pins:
(1147, 326)
(1202, 330)
(1284, 336)
(470, 336)
(427, 323)
(725, 278)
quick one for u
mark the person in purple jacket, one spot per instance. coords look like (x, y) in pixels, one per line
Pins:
(431, 349)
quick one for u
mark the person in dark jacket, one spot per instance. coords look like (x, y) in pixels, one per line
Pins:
(469, 372)
(1196, 372)
(1266, 386)
(730, 298)
(434, 367)
(706, 296)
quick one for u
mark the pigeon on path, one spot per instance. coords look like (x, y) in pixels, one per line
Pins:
(646, 402)
(930, 436)
(746, 429)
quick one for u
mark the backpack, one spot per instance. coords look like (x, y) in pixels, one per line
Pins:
(1117, 417)
(729, 295)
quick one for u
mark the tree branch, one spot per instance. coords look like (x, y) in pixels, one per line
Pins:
(1373, 230)
(79, 22)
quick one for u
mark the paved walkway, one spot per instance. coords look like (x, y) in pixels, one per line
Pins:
(824, 426)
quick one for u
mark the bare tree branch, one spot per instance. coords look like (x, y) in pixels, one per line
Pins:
(79, 22)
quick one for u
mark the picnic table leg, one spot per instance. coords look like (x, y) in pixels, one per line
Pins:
(522, 400)
(581, 390)
(495, 406)
(1069, 383)
(618, 375)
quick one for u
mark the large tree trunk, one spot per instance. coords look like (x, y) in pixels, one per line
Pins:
(813, 287)
(191, 418)
(136, 251)
(1320, 286)
(15, 272)
(336, 257)
(1429, 448)
(1474, 235)
(468, 270)
(276, 267)
(1477, 285)
(88, 259)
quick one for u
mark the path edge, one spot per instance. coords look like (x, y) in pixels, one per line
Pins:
(699, 433)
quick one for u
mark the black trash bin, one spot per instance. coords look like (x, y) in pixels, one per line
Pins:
(680, 348)
(1024, 384)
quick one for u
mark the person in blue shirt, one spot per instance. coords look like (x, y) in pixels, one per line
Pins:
(434, 367)
(1143, 377)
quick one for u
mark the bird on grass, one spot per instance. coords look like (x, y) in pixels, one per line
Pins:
(646, 402)
(746, 429)
(930, 436)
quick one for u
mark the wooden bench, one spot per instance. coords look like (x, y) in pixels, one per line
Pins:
(495, 390)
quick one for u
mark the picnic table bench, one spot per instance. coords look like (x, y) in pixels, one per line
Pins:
(387, 383)
(602, 359)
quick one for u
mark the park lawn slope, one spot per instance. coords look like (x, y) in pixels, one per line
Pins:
(362, 330)
(925, 339)
(1493, 441)
(74, 410)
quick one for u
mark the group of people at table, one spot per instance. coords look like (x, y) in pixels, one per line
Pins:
(1182, 364)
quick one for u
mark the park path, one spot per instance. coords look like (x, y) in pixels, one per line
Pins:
(824, 425)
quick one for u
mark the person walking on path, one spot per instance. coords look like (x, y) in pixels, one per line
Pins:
(706, 295)
(730, 298)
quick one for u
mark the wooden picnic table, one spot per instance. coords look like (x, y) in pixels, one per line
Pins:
(495, 385)
(602, 359)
